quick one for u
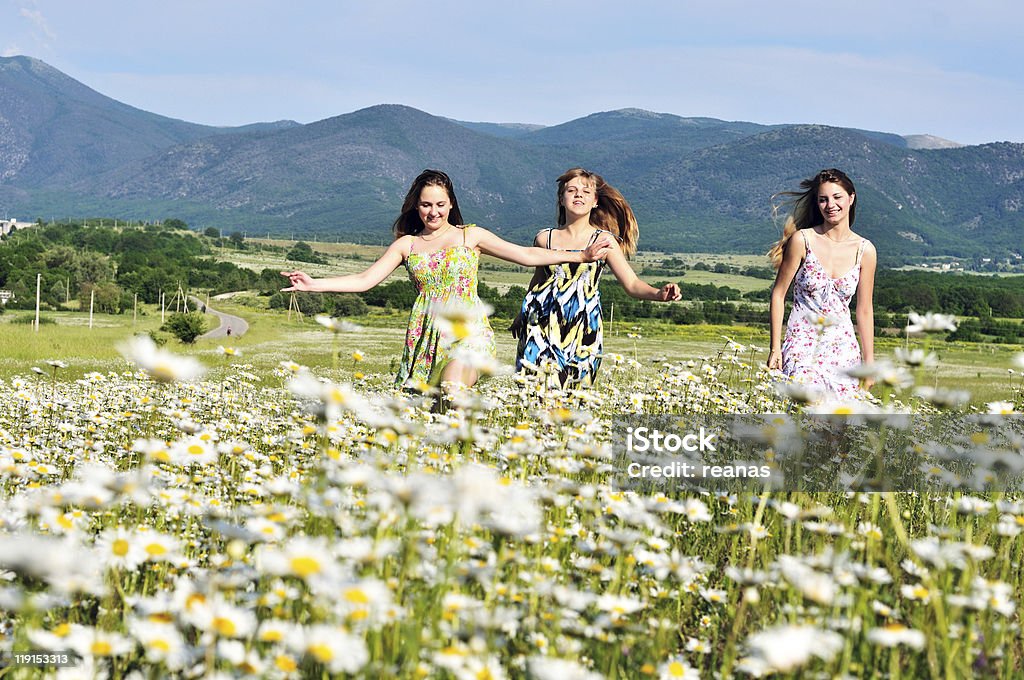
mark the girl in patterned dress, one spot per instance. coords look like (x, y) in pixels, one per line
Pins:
(449, 336)
(829, 264)
(560, 323)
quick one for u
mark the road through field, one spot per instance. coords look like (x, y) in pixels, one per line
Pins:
(229, 324)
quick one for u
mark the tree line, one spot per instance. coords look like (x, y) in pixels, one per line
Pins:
(83, 261)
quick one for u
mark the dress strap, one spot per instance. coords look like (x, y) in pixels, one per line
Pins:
(807, 244)
(860, 249)
(412, 245)
(464, 233)
(593, 237)
(549, 238)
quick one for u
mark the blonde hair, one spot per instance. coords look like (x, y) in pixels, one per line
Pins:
(612, 212)
(804, 212)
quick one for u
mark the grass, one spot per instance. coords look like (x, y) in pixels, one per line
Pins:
(982, 369)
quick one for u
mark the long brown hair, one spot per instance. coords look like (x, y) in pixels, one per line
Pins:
(408, 221)
(804, 212)
(612, 212)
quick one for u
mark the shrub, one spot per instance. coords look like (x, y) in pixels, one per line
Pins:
(185, 327)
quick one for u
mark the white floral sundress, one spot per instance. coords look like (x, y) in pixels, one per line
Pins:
(820, 344)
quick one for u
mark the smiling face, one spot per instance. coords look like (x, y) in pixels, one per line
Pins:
(433, 207)
(579, 196)
(834, 202)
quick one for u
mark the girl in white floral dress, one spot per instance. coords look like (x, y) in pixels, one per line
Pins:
(829, 264)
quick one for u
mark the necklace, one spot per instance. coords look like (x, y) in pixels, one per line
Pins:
(436, 236)
(851, 237)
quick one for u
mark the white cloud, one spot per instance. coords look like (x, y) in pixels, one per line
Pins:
(39, 21)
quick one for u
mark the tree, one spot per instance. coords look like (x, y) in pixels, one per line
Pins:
(349, 304)
(303, 252)
(107, 298)
(237, 239)
(212, 232)
(185, 327)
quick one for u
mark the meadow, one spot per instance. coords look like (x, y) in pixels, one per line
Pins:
(277, 509)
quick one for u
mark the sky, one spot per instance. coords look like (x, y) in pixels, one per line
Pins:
(949, 68)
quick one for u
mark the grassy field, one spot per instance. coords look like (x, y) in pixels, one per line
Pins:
(982, 369)
(262, 522)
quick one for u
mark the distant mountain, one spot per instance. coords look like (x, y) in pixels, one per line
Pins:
(344, 174)
(53, 129)
(909, 202)
(500, 129)
(930, 142)
(695, 183)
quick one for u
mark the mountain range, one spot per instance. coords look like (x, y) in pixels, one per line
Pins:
(696, 184)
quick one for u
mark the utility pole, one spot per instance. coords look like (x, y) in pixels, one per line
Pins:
(39, 282)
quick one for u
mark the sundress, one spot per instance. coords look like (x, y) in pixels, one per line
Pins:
(446, 281)
(562, 322)
(821, 344)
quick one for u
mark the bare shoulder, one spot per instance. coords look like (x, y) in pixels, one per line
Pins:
(401, 245)
(796, 246)
(473, 233)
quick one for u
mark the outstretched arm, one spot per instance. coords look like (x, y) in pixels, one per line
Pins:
(865, 304)
(352, 283)
(632, 283)
(794, 252)
(491, 244)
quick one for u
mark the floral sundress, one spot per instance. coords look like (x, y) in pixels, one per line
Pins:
(820, 344)
(445, 278)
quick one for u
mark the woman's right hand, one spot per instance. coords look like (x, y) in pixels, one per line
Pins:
(301, 281)
(599, 249)
(775, 360)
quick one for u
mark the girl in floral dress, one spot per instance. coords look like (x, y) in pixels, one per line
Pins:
(829, 264)
(560, 322)
(449, 336)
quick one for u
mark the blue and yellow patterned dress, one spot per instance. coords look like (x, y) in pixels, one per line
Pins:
(562, 322)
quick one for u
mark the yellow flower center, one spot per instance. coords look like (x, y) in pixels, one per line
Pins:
(224, 626)
(155, 550)
(356, 596)
(304, 566)
(676, 670)
(101, 648)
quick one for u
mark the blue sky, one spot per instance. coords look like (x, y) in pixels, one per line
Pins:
(942, 67)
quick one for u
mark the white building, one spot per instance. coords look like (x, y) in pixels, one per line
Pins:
(7, 226)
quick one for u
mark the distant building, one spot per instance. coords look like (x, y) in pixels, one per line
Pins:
(5, 295)
(7, 226)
